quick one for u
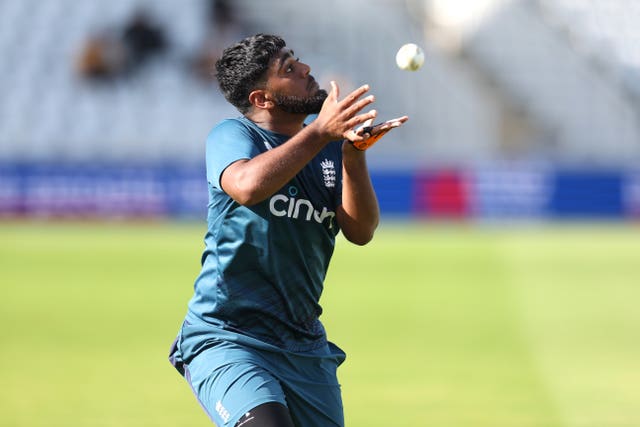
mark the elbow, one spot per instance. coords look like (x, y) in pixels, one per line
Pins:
(245, 192)
(243, 186)
(360, 236)
(358, 231)
(247, 198)
(360, 240)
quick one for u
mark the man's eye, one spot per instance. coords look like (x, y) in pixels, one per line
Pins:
(290, 66)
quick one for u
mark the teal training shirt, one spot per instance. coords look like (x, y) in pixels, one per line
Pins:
(264, 265)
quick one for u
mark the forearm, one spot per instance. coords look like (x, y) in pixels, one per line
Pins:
(359, 214)
(251, 181)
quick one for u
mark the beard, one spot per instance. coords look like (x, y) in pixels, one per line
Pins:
(298, 105)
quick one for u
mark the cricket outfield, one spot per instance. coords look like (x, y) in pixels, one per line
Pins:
(455, 325)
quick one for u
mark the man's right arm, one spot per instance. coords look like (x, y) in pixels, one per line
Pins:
(250, 181)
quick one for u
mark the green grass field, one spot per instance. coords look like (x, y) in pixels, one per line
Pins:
(444, 325)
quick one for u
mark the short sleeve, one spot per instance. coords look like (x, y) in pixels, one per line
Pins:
(228, 142)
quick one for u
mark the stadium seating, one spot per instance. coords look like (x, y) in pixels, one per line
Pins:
(562, 73)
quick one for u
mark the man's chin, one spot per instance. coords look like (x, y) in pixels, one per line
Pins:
(310, 105)
(321, 93)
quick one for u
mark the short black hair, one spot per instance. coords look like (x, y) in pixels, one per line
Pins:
(243, 67)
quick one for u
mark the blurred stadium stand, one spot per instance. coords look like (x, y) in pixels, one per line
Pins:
(521, 103)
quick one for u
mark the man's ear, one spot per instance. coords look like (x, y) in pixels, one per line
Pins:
(260, 99)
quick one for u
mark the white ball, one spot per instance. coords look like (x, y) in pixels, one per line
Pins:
(410, 57)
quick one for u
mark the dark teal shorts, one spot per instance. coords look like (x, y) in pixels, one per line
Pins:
(231, 377)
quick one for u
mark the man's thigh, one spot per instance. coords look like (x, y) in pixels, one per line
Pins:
(228, 389)
(231, 381)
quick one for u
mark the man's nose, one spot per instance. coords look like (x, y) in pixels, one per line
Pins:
(306, 69)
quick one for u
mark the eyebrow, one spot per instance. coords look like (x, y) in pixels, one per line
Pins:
(283, 58)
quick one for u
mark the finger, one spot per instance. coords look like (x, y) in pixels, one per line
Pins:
(367, 117)
(399, 120)
(353, 109)
(352, 135)
(356, 121)
(393, 123)
(356, 94)
(366, 124)
(335, 90)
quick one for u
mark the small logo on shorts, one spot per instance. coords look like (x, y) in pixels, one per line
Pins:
(222, 411)
(247, 417)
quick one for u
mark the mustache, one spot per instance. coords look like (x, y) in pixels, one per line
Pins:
(312, 82)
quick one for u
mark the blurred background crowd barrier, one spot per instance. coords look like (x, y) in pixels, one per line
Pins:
(178, 191)
(524, 108)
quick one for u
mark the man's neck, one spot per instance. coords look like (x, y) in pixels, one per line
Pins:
(282, 123)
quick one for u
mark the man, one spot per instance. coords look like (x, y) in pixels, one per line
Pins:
(252, 346)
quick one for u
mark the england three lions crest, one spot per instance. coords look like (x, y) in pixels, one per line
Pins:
(328, 173)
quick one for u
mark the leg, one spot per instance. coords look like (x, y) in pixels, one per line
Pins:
(228, 382)
(267, 415)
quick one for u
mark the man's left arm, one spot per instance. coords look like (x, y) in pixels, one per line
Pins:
(359, 214)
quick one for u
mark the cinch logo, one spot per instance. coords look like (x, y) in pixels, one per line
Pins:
(281, 205)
